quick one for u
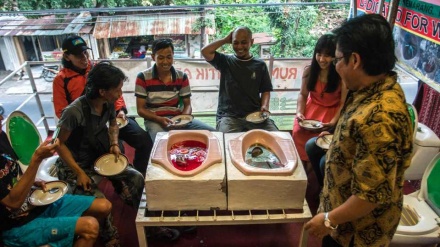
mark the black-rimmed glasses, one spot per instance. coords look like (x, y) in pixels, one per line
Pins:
(337, 59)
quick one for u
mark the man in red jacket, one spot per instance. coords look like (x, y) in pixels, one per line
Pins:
(69, 84)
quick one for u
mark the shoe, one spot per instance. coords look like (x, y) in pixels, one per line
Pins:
(163, 233)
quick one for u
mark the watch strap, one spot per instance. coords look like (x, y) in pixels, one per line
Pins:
(328, 223)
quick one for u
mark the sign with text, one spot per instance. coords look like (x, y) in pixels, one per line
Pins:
(417, 36)
(286, 74)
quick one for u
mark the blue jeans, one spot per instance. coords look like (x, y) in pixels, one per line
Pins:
(317, 158)
(153, 128)
(139, 139)
(232, 125)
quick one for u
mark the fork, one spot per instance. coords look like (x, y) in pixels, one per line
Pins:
(326, 139)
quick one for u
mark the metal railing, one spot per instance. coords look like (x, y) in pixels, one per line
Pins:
(131, 68)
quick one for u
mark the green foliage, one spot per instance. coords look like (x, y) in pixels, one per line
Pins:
(296, 28)
(292, 27)
(74, 4)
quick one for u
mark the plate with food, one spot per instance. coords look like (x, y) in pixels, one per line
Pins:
(54, 191)
(258, 116)
(324, 141)
(181, 121)
(107, 166)
(121, 122)
(310, 124)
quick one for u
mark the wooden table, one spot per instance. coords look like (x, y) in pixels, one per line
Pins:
(223, 217)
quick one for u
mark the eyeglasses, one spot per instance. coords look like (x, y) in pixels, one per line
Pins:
(337, 59)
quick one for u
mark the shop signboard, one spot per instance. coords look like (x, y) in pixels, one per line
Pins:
(417, 36)
(286, 74)
(178, 42)
(49, 56)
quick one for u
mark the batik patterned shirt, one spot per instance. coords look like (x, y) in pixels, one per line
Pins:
(369, 154)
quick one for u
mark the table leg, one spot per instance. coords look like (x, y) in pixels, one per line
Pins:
(141, 236)
(303, 238)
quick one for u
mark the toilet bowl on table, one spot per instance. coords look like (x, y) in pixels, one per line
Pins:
(420, 218)
(251, 184)
(171, 186)
(25, 139)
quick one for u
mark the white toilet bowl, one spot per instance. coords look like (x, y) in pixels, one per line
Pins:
(161, 154)
(47, 170)
(419, 224)
(282, 147)
(426, 146)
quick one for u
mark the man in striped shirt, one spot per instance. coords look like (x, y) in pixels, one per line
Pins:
(163, 92)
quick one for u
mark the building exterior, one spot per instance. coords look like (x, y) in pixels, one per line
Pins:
(110, 37)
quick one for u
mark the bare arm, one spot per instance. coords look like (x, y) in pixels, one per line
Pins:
(344, 92)
(302, 96)
(208, 52)
(265, 98)
(63, 151)
(149, 115)
(113, 133)
(187, 109)
(18, 194)
(352, 209)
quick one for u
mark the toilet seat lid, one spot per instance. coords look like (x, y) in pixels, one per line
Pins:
(425, 137)
(23, 136)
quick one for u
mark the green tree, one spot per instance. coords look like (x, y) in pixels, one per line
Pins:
(291, 26)
(71, 4)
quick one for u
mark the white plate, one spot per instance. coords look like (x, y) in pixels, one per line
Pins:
(257, 117)
(310, 124)
(121, 122)
(324, 141)
(181, 120)
(106, 165)
(40, 198)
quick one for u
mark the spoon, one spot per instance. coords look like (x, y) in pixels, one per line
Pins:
(177, 121)
(317, 125)
(264, 115)
(328, 141)
(256, 151)
(53, 190)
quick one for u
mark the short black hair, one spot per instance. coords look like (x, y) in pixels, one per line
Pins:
(370, 36)
(160, 44)
(104, 75)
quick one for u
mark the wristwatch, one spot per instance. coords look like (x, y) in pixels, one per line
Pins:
(328, 223)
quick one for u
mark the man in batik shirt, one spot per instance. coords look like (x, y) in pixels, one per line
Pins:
(362, 197)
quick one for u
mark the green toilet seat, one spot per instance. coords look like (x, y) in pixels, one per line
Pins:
(23, 136)
(433, 186)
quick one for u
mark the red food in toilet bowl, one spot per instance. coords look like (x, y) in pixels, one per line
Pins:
(188, 155)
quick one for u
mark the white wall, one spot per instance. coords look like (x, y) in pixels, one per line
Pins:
(9, 53)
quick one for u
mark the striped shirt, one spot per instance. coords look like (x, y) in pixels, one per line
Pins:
(163, 99)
